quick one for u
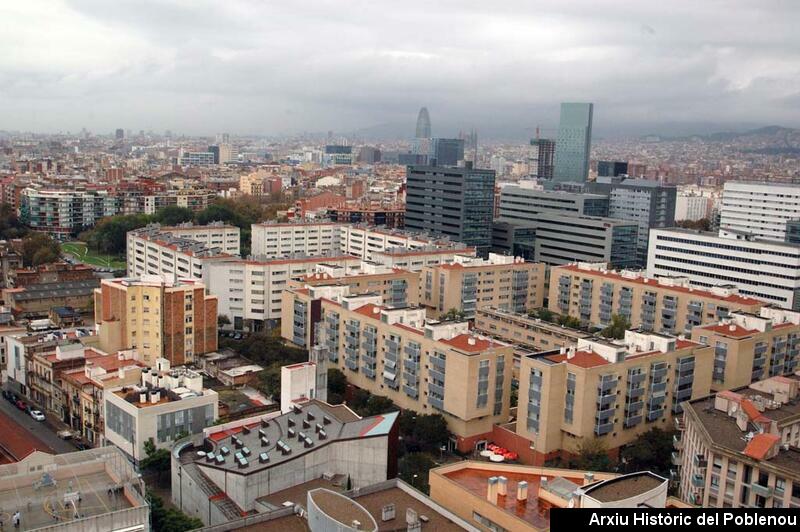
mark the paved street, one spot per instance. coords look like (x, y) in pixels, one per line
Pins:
(44, 430)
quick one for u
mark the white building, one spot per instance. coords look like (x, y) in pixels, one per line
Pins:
(691, 207)
(153, 252)
(249, 291)
(169, 403)
(214, 235)
(302, 382)
(759, 208)
(272, 240)
(762, 269)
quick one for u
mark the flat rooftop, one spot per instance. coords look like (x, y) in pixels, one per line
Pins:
(624, 487)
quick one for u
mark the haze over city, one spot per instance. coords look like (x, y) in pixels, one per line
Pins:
(199, 67)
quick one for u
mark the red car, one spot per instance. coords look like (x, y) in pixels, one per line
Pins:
(22, 405)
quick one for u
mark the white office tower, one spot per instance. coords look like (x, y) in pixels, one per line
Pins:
(761, 209)
(763, 269)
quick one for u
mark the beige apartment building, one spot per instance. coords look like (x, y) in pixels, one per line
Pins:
(422, 365)
(156, 318)
(416, 259)
(612, 391)
(739, 448)
(525, 333)
(751, 347)
(593, 294)
(469, 283)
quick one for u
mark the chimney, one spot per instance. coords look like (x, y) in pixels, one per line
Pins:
(522, 491)
(571, 352)
(588, 478)
(731, 327)
(143, 397)
(563, 350)
(543, 483)
(155, 397)
(502, 486)
(471, 340)
(491, 492)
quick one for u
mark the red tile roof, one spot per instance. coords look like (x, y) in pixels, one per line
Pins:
(731, 330)
(582, 359)
(760, 445)
(752, 412)
(462, 342)
(370, 310)
(15, 442)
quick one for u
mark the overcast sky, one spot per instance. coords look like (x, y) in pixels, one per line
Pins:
(277, 66)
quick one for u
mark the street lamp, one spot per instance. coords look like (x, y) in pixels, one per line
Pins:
(414, 480)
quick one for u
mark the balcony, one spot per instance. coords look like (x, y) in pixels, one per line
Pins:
(653, 415)
(636, 378)
(632, 421)
(411, 366)
(410, 391)
(700, 461)
(351, 363)
(603, 428)
(607, 384)
(368, 371)
(677, 442)
(658, 374)
(604, 401)
(435, 389)
(698, 481)
(760, 489)
(686, 379)
(435, 402)
(634, 406)
(438, 363)
(675, 458)
(411, 379)
(683, 395)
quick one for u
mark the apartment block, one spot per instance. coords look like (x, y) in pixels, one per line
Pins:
(364, 241)
(158, 318)
(751, 347)
(153, 252)
(63, 213)
(216, 235)
(761, 209)
(563, 239)
(609, 390)
(422, 365)
(594, 294)
(167, 404)
(763, 269)
(470, 283)
(415, 260)
(739, 448)
(277, 240)
(249, 291)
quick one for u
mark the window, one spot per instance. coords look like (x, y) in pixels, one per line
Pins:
(491, 525)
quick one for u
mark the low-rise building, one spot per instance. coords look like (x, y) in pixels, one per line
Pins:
(594, 294)
(168, 404)
(36, 300)
(57, 272)
(513, 497)
(740, 448)
(423, 365)
(157, 318)
(612, 391)
(750, 347)
(470, 283)
(241, 467)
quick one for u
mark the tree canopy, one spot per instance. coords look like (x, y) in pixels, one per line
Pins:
(616, 329)
(169, 519)
(39, 248)
(649, 452)
(174, 215)
(413, 469)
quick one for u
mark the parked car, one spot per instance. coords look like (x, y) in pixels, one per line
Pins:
(6, 395)
(22, 405)
(65, 434)
(37, 415)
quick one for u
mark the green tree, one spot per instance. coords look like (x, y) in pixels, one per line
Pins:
(110, 234)
(174, 215)
(616, 329)
(453, 314)
(569, 321)
(423, 432)
(649, 452)
(269, 380)
(542, 313)
(703, 224)
(39, 248)
(337, 386)
(10, 225)
(169, 519)
(413, 469)
(377, 405)
(265, 348)
(156, 461)
(222, 319)
(593, 456)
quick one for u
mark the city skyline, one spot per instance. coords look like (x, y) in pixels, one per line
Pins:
(248, 70)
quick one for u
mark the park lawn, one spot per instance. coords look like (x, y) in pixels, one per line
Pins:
(81, 252)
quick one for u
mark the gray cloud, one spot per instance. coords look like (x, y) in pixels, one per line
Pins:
(263, 66)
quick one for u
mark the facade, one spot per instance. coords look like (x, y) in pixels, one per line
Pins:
(517, 240)
(648, 203)
(389, 217)
(612, 168)
(153, 252)
(64, 213)
(240, 468)
(425, 366)
(542, 160)
(761, 209)
(749, 347)
(506, 497)
(762, 269)
(523, 331)
(691, 207)
(612, 391)
(159, 319)
(594, 295)
(365, 242)
(274, 240)
(167, 404)
(447, 152)
(453, 202)
(739, 448)
(198, 158)
(563, 239)
(36, 300)
(524, 203)
(249, 291)
(574, 142)
(469, 283)
(414, 260)
(214, 235)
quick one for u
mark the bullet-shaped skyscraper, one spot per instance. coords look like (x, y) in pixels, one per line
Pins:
(423, 124)
(574, 142)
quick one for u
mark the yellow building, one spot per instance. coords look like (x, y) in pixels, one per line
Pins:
(156, 318)
(425, 366)
(609, 390)
(750, 347)
(593, 294)
(470, 283)
(252, 184)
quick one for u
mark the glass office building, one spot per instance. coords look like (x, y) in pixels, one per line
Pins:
(574, 142)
